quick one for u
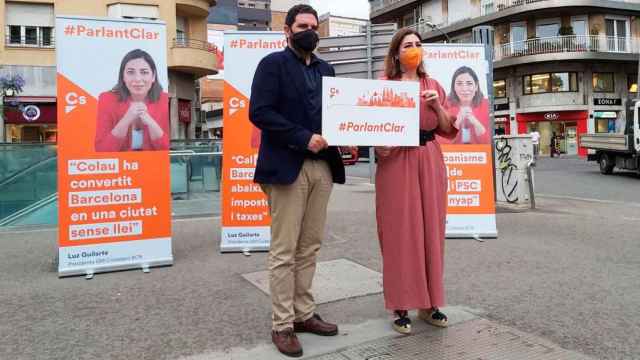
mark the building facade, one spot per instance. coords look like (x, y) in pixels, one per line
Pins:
(254, 15)
(565, 67)
(332, 25)
(29, 51)
(279, 9)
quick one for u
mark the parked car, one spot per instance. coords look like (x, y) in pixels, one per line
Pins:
(349, 155)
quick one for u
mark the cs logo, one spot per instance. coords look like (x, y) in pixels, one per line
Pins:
(236, 104)
(72, 100)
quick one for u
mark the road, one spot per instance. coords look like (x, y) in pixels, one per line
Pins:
(568, 177)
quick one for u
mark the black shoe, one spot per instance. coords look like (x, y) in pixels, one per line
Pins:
(402, 324)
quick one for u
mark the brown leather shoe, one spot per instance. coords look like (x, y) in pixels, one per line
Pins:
(316, 325)
(287, 342)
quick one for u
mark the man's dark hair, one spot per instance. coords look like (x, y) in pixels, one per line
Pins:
(297, 10)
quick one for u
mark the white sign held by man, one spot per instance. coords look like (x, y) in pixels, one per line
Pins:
(370, 112)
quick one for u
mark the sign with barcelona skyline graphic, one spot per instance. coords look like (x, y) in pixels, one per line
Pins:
(370, 112)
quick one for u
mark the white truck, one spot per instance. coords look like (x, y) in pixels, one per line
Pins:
(620, 151)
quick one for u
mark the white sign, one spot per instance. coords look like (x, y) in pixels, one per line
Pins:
(31, 113)
(370, 112)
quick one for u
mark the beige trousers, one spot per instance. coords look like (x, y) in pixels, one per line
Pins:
(299, 213)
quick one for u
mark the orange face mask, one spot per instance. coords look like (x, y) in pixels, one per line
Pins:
(411, 58)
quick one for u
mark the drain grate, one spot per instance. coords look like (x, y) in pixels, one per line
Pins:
(473, 340)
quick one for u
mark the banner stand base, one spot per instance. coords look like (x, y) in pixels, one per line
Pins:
(477, 237)
(243, 249)
(89, 273)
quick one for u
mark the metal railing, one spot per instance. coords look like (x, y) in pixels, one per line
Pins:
(488, 7)
(38, 42)
(569, 43)
(184, 42)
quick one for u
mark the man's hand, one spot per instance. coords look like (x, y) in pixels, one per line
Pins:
(317, 144)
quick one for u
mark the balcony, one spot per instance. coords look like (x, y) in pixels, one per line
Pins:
(488, 7)
(500, 11)
(379, 7)
(193, 56)
(597, 47)
(198, 8)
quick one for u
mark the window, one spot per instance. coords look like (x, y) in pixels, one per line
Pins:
(547, 28)
(15, 34)
(30, 36)
(518, 36)
(499, 88)
(251, 5)
(550, 82)
(579, 25)
(616, 30)
(632, 83)
(29, 25)
(603, 82)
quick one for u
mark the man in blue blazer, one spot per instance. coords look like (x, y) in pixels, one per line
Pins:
(296, 169)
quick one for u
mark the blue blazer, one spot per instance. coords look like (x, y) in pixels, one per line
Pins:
(277, 107)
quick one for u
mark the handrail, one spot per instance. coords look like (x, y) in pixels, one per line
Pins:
(568, 43)
(185, 42)
(19, 173)
(32, 207)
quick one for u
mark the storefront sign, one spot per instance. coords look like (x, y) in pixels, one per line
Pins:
(552, 116)
(605, 115)
(245, 210)
(501, 107)
(184, 111)
(607, 101)
(501, 104)
(31, 113)
(113, 152)
(470, 195)
(370, 112)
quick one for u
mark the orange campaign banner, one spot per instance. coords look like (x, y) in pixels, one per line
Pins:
(465, 73)
(113, 145)
(246, 224)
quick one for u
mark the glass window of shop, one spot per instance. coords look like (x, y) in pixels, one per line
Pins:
(500, 88)
(632, 83)
(603, 82)
(550, 83)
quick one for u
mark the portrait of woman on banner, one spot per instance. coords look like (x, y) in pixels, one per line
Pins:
(470, 107)
(134, 114)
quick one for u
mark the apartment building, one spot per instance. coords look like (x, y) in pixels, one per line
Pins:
(29, 51)
(332, 25)
(560, 66)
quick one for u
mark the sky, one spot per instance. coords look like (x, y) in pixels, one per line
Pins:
(349, 8)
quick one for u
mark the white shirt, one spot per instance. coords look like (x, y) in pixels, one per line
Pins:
(535, 138)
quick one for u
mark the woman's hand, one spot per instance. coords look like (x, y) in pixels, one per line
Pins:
(131, 117)
(155, 131)
(479, 128)
(431, 98)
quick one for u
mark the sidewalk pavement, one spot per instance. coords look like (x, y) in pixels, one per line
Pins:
(546, 284)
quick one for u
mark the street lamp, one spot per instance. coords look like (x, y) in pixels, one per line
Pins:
(435, 27)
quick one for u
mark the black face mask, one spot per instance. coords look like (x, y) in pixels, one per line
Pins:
(305, 40)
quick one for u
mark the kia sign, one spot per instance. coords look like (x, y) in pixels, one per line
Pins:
(552, 116)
